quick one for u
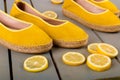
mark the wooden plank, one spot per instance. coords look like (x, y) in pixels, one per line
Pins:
(17, 63)
(66, 72)
(20, 74)
(114, 71)
(70, 72)
(4, 59)
(80, 72)
(9, 5)
(44, 5)
(2, 5)
(4, 63)
(112, 38)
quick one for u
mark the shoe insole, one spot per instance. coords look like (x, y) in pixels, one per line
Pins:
(10, 22)
(89, 6)
(28, 9)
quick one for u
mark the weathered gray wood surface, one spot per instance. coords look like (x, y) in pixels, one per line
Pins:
(18, 58)
(57, 69)
(4, 58)
(20, 74)
(83, 72)
(112, 38)
(4, 64)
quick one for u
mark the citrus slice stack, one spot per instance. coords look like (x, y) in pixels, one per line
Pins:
(57, 1)
(35, 64)
(73, 58)
(50, 14)
(98, 62)
(92, 48)
(107, 50)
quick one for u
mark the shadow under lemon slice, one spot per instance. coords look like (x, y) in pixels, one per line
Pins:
(73, 58)
(35, 64)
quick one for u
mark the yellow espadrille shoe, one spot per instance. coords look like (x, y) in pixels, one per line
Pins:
(91, 15)
(64, 33)
(22, 36)
(108, 5)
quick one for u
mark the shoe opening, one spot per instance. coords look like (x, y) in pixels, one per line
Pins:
(87, 5)
(10, 22)
(22, 6)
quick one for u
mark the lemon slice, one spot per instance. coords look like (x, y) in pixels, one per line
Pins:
(92, 48)
(57, 1)
(73, 58)
(98, 62)
(35, 64)
(107, 50)
(50, 14)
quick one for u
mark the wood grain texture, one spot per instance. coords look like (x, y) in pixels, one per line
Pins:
(4, 63)
(83, 72)
(4, 58)
(18, 59)
(20, 74)
(112, 38)
(57, 69)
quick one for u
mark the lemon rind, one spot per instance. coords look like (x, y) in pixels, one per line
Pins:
(104, 52)
(36, 69)
(44, 13)
(97, 67)
(57, 2)
(73, 63)
(90, 50)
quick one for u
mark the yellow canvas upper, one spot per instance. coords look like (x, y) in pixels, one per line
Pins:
(107, 4)
(66, 31)
(106, 18)
(30, 36)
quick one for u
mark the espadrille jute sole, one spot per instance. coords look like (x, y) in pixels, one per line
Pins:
(92, 26)
(75, 44)
(35, 49)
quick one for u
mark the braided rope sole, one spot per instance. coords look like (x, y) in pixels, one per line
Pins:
(23, 49)
(75, 44)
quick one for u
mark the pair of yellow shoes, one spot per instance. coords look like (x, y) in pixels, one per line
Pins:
(38, 34)
(105, 21)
